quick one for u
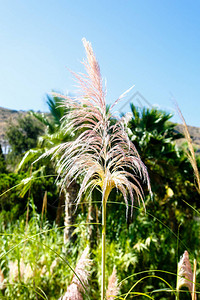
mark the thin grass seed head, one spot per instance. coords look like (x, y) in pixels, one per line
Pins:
(191, 152)
(44, 205)
(75, 289)
(113, 287)
(54, 265)
(72, 293)
(14, 269)
(82, 269)
(2, 280)
(28, 273)
(185, 275)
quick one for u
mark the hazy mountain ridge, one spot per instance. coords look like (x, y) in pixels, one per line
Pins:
(7, 115)
(194, 134)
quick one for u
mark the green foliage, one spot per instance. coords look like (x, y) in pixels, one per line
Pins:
(2, 162)
(14, 194)
(57, 110)
(154, 137)
(22, 136)
(169, 169)
(10, 203)
(37, 251)
(145, 244)
(147, 247)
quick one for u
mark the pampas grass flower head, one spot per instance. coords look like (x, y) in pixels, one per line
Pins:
(113, 287)
(80, 280)
(185, 275)
(102, 154)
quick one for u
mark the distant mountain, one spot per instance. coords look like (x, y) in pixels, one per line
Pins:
(7, 115)
(194, 134)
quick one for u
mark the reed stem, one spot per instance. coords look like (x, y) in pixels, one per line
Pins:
(177, 279)
(103, 248)
(194, 280)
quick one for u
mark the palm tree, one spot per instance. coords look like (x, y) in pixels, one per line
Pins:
(57, 111)
(154, 136)
(102, 155)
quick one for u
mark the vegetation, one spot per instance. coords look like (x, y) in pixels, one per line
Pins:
(80, 176)
(22, 135)
(2, 162)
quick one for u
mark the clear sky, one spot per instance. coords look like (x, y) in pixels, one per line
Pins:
(153, 44)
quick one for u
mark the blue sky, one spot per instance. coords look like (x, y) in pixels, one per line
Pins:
(152, 44)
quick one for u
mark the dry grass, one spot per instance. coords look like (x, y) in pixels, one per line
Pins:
(185, 275)
(190, 152)
(75, 289)
(113, 287)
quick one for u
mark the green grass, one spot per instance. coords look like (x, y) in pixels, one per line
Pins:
(37, 251)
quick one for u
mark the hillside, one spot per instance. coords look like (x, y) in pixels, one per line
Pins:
(7, 115)
(194, 134)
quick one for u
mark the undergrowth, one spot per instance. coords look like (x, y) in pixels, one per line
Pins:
(33, 260)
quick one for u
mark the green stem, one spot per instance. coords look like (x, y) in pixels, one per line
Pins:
(177, 279)
(194, 297)
(103, 263)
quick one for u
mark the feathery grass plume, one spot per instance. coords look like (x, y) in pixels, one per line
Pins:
(16, 270)
(44, 271)
(44, 205)
(75, 289)
(190, 153)
(2, 280)
(72, 293)
(113, 287)
(54, 265)
(20, 270)
(194, 296)
(28, 273)
(185, 275)
(102, 154)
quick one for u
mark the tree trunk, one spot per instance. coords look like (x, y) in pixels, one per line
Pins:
(60, 208)
(70, 197)
(92, 228)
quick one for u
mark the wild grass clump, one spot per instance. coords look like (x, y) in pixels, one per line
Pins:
(33, 260)
(80, 280)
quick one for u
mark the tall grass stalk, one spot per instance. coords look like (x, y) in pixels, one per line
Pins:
(190, 153)
(177, 280)
(103, 255)
(44, 206)
(194, 297)
(185, 276)
(113, 287)
(192, 159)
(102, 155)
(75, 289)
